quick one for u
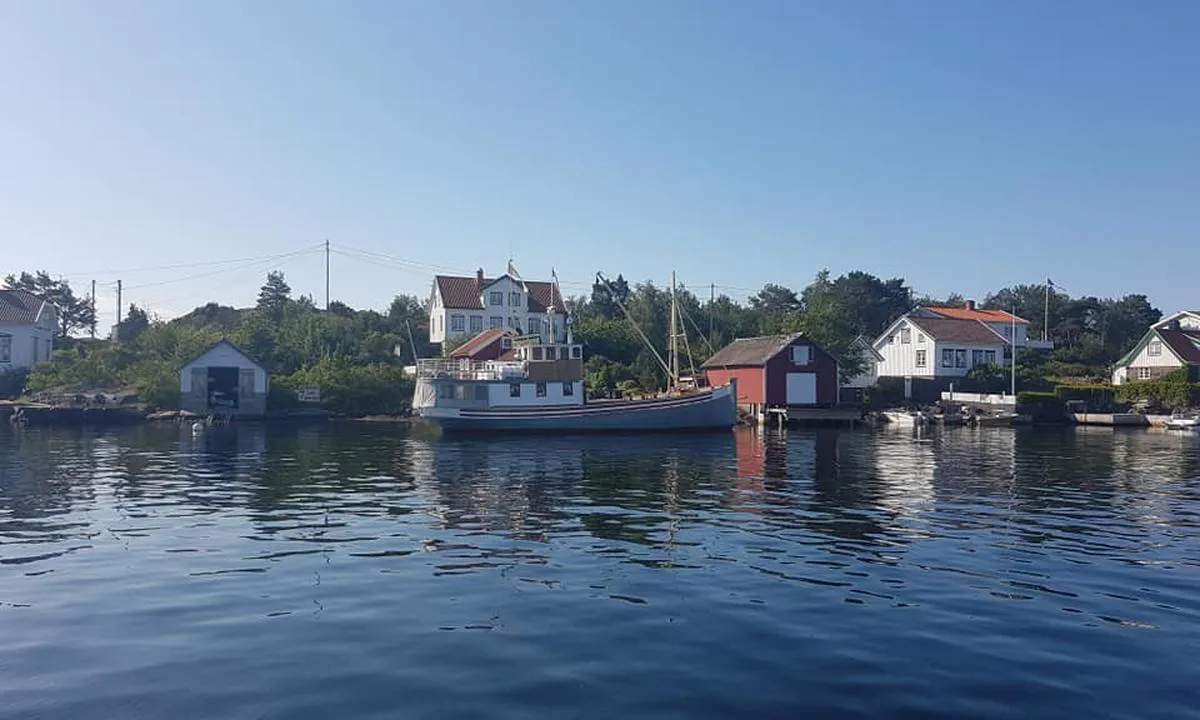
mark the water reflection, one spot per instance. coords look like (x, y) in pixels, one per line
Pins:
(612, 568)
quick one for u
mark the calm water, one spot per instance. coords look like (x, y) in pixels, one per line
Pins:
(363, 572)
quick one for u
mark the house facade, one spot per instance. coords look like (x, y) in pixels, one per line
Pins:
(466, 306)
(223, 380)
(942, 342)
(853, 387)
(776, 371)
(28, 323)
(1169, 344)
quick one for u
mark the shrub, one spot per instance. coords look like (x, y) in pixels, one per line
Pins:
(1097, 397)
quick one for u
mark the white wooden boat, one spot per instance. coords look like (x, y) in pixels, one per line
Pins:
(1181, 421)
(906, 418)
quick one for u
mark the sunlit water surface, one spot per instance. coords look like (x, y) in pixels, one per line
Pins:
(352, 571)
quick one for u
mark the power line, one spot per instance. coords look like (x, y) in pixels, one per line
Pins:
(265, 259)
(180, 266)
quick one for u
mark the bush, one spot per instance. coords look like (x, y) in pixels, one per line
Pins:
(1170, 392)
(1030, 397)
(355, 390)
(1097, 397)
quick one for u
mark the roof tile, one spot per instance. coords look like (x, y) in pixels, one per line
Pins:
(945, 329)
(1185, 343)
(751, 351)
(20, 307)
(466, 293)
(961, 313)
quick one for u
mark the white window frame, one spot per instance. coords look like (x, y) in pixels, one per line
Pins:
(905, 336)
(920, 360)
(568, 389)
(535, 326)
(802, 355)
(514, 299)
(495, 322)
(458, 323)
(5, 348)
(514, 390)
(989, 357)
(976, 358)
(476, 323)
(540, 389)
(496, 298)
(1154, 348)
(960, 358)
(1144, 373)
(947, 357)
(920, 338)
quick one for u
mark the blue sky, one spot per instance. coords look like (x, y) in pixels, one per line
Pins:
(962, 145)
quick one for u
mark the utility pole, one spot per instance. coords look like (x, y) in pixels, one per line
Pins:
(93, 309)
(326, 274)
(118, 303)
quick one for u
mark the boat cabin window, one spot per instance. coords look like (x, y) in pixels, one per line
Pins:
(568, 389)
(541, 389)
(514, 390)
(460, 391)
(576, 352)
(538, 353)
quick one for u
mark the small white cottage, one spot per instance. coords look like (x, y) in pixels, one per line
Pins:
(223, 380)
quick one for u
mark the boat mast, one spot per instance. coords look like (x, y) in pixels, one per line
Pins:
(673, 381)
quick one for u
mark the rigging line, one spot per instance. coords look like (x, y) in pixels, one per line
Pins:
(699, 332)
(267, 261)
(633, 322)
(179, 266)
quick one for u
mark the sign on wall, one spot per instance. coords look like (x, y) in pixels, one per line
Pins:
(308, 393)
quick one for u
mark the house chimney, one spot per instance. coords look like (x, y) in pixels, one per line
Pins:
(479, 277)
(970, 304)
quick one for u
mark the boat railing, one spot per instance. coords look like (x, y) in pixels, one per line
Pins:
(466, 369)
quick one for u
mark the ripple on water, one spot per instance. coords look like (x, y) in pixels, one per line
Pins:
(364, 572)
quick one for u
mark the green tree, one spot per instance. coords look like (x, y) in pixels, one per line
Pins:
(133, 325)
(74, 313)
(275, 295)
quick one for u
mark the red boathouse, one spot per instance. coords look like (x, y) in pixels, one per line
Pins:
(776, 371)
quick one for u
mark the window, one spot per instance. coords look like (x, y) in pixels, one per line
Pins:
(976, 357)
(551, 352)
(1143, 373)
(460, 391)
(514, 299)
(989, 357)
(801, 354)
(476, 323)
(541, 389)
(539, 353)
(514, 390)
(495, 323)
(568, 389)
(496, 298)
(905, 336)
(458, 323)
(5, 348)
(920, 358)
(439, 323)
(506, 343)
(576, 352)
(1154, 349)
(947, 358)
(509, 321)
(535, 326)
(891, 339)
(920, 339)
(960, 358)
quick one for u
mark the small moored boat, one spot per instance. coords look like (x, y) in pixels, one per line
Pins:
(1182, 421)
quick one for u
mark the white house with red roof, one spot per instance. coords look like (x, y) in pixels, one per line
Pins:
(27, 326)
(1169, 344)
(937, 342)
(466, 306)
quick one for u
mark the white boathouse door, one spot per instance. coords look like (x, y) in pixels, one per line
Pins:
(802, 388)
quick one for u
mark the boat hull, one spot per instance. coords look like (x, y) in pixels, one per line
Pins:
(714, 410)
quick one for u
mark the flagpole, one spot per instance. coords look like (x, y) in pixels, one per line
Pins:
(1046, 322)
